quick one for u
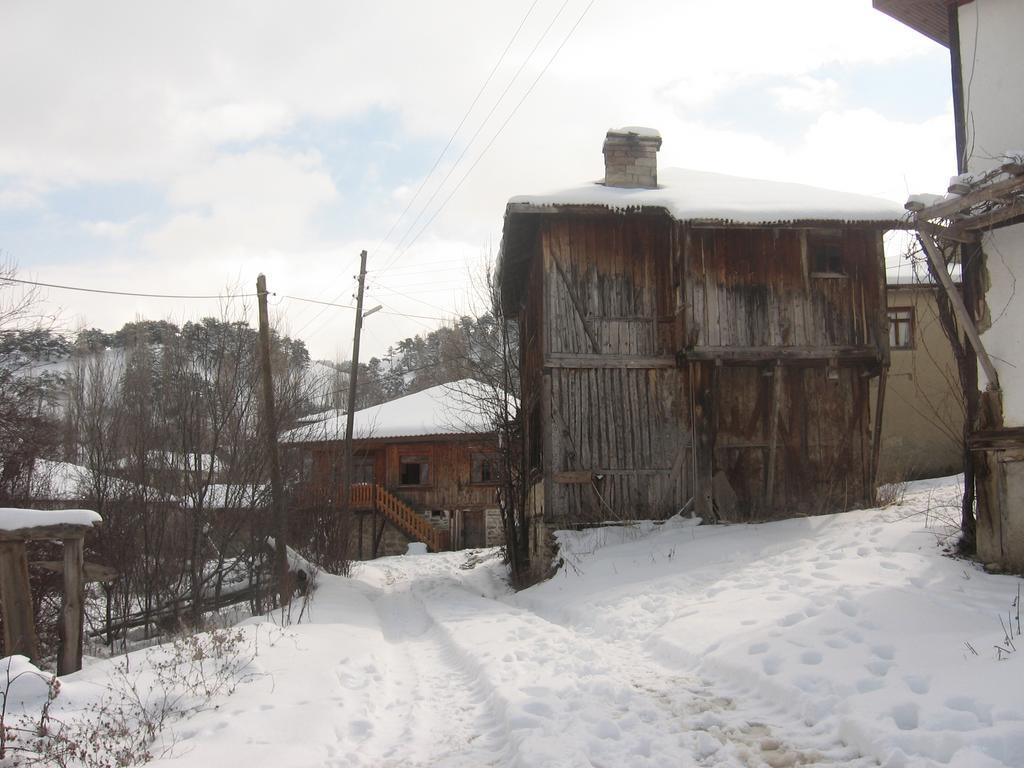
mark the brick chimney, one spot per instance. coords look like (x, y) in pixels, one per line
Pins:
(631, 157)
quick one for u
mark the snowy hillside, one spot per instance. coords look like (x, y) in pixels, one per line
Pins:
(836, 640)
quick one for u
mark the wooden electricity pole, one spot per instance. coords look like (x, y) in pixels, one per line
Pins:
(280, 515)
(346, 486)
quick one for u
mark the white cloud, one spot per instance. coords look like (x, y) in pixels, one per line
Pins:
(245, 205)
(808, 94)
(205, 103)
(112, 230)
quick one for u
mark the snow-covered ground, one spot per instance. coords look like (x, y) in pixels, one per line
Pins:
(835, 640)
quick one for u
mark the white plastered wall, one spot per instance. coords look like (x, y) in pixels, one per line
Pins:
(992, 60)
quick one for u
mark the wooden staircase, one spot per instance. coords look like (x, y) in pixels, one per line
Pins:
(401, 515)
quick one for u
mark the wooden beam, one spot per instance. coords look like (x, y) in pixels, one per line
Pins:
(782, 354)
(701, 381)
(773, 437)
(46, 533)
(573, 477)
(959, 308)
(947, 233)
(996, 439)
(92, 571)
(876, 432)
(567, 360)
(69, 659)
(987, 220)
(16, 601)
(949, 208)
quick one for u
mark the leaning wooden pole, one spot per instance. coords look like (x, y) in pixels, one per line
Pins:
(280, 514)
(346, 488)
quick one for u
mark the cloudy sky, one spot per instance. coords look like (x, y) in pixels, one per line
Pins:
(184, 147)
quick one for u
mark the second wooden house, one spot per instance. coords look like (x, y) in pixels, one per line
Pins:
(425, 470)
(691, 340)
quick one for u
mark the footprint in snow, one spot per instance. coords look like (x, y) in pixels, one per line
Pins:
(869, 684)
(848, 607)
(886, 652)
(810, 657)
(878, 668)
(919, 684)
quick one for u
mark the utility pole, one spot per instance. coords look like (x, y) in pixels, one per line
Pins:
(280, 515)
(346, 486)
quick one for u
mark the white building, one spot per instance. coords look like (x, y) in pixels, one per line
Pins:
(985, 210)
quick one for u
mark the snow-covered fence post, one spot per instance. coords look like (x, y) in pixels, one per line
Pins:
(18, 526)
(72, 608)
(16, 600)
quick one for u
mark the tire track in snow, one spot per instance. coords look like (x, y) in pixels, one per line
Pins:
(431, 711)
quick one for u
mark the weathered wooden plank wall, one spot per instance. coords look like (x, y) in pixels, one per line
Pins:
(617, 447)
(782, 428)
(756, 288)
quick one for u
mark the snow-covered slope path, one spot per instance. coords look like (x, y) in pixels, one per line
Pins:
(837, 640)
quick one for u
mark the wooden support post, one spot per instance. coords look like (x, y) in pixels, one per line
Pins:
(773, 437)
(701, 375)
(876, 434)
(72, 607)
(16, 597)
(963, 317)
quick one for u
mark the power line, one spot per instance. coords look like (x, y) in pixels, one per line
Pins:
(349, 306)
(395, 255)
(204, 297)
(440, 156)
(462, 122)
(499, 131)
(130, 293)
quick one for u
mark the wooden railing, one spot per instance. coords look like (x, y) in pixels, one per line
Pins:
(362, 495)
(408, 520)
(404, 517)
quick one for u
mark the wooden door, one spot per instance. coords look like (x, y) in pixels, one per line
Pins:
(473, 532)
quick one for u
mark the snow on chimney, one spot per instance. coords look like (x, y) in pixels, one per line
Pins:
(631, 157)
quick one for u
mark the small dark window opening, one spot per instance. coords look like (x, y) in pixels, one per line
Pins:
(414, 470)
(901, 327)
(826, 254)
(362, 469)
(486, 468)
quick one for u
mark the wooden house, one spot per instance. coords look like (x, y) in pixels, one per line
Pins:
(694, 341)
(425, 468)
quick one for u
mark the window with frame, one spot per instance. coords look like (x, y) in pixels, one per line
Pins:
(414, 470)
(825, 253)
(901, 327)
(362, 469)
(486, 468)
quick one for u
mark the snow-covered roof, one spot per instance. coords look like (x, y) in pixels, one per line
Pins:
(447, 409)
(230, 496)
(64, 481)
(13, 519)
(701, 196)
